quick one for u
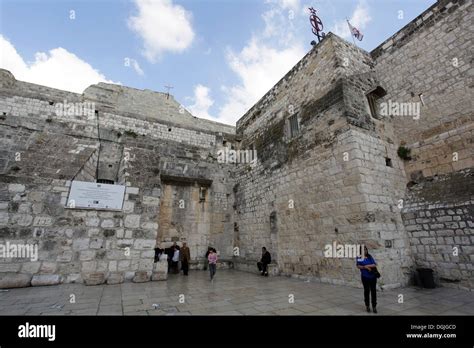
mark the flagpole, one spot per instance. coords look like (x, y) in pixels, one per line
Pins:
(352, 35)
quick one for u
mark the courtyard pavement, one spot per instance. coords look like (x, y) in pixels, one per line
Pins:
(231, 293)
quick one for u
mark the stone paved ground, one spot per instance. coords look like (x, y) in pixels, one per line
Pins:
(231, 293)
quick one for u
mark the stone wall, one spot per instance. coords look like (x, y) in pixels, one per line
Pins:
(330, 183)
(77, 245)
(365, 197)
(432, 56)
(43, 150)
(439, 218)
(342, 178)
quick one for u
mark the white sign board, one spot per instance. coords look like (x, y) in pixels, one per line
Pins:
(93, 195)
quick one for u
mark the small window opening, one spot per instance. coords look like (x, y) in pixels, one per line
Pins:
(105, 181)
(202, 194)
(293, 125)
(388, 162)
(372, 98)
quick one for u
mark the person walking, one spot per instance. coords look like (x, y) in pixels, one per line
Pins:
(212, 258)
(368, 270)
(207, 254)
(264, 262)
(185, 257)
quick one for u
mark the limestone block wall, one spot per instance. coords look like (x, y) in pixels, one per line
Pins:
(43, 150)
(12, 107)
(432, 57)
(331, 183)
(307, 81)
(439, 218)
(153, 106)
(76, 245)
(443, 153)
(382, 186)
(319, 199)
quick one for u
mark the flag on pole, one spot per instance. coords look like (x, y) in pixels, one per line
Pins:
(355, 32)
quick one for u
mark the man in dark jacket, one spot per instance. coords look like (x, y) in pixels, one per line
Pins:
(185, 258)
(265, 260)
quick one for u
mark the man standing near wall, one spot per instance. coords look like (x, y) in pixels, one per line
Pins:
(185, 257)
(265, 260)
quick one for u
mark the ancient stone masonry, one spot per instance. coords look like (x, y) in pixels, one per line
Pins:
(42, 150)
(353, 148)
(341, 178)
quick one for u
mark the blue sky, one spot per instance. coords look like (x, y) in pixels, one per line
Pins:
(220, 56)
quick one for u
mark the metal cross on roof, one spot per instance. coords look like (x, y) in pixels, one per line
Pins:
(317, 24)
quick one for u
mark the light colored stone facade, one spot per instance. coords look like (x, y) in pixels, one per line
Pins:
(338, 179)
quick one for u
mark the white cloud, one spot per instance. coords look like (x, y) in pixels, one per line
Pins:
(58, 68)
(359, 19)
(264, 60)
(162, 26)
(202, 101)
(134, 64)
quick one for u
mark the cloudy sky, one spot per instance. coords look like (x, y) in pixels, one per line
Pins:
(220, 56)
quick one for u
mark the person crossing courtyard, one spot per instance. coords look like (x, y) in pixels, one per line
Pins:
(212, 258)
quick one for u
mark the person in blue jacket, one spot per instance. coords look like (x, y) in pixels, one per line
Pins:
(366, 264)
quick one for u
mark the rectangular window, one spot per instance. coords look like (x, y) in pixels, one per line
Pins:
(372, 99)
(293, 125)
(202, 194)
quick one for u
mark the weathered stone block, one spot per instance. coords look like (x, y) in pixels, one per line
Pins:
(4, 218)
(132, 190)
(132, 221)
(22, 219)
(141, 277)
(96, 243)
(115, 278)
(16, 188)
(94, 278)
(92, 221)
(30, 267)
(128, 207)
(48, 267)
(160, 271)
(73, 278)
(89, 266)
(81, 244)
(144, 244)
(14, 280)
(65, 256)
(108, 223)
(123, 265)
(45, 279)
(36, 196)
(43, 221)
(87, 255)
